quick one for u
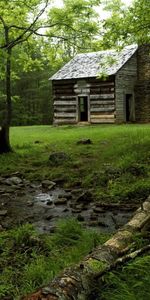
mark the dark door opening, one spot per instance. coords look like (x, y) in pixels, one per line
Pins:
(129, 107)
(83, 108)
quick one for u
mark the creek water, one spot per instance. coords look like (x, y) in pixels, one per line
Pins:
(56, 205)
(44, 208)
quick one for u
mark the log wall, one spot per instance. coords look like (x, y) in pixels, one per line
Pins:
(102, 101)
(125, 81)
(100, 97)
(65, 106)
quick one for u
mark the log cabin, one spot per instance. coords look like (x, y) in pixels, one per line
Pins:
(104, 87)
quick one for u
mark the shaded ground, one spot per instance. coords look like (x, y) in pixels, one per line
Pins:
(43, 203)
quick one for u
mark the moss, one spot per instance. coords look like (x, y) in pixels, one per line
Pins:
(96, 265)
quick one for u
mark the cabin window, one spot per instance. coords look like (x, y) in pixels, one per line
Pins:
(83, 108)
(129, 108)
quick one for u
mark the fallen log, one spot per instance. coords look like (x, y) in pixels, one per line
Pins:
(76, 283)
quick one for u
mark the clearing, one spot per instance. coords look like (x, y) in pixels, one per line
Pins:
(96, 174)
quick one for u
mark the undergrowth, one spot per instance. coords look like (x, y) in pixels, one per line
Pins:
(28, 260)
(129, 283)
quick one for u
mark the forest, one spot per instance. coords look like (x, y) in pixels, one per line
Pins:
(74, 200)
(37, 39)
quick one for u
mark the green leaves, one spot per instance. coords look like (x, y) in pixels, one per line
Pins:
(73, 27)
(127, 25)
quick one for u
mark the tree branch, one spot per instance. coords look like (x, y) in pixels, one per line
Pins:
(21, 38)
(25, 30)
(3, 22)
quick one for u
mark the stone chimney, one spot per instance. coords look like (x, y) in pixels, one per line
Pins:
(142, 87)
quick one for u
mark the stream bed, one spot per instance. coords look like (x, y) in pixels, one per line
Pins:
(29, 203)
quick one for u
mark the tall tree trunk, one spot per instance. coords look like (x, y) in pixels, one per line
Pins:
(4, 131)
(81, 281)
(8, 88)
(4, 140)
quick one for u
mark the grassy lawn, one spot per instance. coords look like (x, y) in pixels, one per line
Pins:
(115, 166)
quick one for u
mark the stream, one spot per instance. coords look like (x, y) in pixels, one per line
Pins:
(57, 204)
(29, 203)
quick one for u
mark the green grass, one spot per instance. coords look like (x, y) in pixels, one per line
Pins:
(28, 261)
(129, 283)
(115, 166)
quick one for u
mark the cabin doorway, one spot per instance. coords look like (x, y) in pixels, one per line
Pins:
(129, 108)
(83, 108)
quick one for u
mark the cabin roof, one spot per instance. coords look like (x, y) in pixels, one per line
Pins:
(92, 64)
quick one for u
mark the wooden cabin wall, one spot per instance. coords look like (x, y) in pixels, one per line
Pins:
(64, 102)
(102, 100)
(125, 81)
(101, 95)
(142, 88)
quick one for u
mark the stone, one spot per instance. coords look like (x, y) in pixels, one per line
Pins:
(93, 223)
(1, 228)
(68, 196)
(58, 158)
(76, 192)
(11, 189)
(66, 209)
(49, 202)
(76, 210)
(104, 142)
(98, 210)
(94, 217)
(13, 180)
(84, 142)
(5, 196)
(37, 142)
(100, 223)
(21, 193)
(30, 203)
(52, 229)
(27, 182)
(61, 196)
(84, 197)
(47, 184)
(82, 206)
(61, 201)
(3, 213)
(2, 190)
(43, 197)
(48, 217)
(60, 181)
(1, 179)
(80, 218)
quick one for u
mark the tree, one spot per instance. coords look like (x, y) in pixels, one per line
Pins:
(32, 104)
(126, 25)
(20, 21)
(77, 25)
